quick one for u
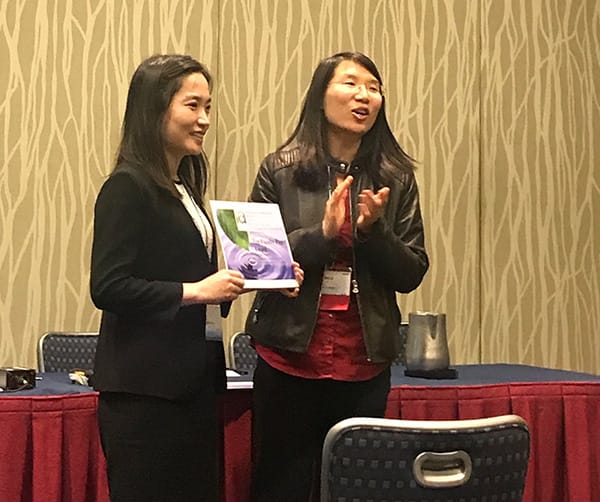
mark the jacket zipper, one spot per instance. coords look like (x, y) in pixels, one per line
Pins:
(257, 308)
(354, 282)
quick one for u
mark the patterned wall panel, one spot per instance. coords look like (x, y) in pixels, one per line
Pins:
(65, 71)
(428, 55)
(497, 100)
(541, 183)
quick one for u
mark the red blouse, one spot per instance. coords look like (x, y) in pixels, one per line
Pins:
(336, 349)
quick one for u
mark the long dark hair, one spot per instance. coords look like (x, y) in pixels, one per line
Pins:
(310, 133)
(153, 85)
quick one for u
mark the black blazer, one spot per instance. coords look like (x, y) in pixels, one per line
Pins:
(145, 245)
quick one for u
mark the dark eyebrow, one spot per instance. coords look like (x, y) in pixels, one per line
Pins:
(197, 97)
(371, 80)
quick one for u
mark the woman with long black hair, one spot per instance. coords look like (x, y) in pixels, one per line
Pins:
(349, 200)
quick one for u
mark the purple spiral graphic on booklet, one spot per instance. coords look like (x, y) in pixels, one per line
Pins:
(261, 261)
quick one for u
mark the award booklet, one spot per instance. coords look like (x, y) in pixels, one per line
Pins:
(254, 242)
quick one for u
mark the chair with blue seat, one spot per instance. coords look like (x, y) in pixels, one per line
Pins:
(379, 459)
(63, 352)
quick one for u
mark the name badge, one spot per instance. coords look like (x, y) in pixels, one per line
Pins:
(335, 289)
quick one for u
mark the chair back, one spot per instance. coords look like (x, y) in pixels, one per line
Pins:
(375, 459)
(402, 336)
(63, 352)
(242, 355)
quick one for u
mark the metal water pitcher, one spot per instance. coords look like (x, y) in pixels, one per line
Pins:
(426, 343)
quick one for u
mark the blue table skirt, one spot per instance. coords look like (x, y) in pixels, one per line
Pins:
(49, 384)
(470, 374)
(479, 374)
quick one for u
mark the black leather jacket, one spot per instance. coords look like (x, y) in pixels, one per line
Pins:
(390, 259)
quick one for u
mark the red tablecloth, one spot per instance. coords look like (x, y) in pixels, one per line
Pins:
(563, 418)
(564, 424)
(50, 451)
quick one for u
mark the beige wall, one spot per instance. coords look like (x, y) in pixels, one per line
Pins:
(499, 101)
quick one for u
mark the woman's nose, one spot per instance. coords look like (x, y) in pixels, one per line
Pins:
(203, 118)
(362, 91)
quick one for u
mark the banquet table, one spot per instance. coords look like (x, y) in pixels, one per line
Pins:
(562, 409)
(49, 444)
(50, 450)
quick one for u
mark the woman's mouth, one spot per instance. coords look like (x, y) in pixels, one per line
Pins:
(360, 113)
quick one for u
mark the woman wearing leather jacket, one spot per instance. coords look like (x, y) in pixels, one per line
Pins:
(350, 204)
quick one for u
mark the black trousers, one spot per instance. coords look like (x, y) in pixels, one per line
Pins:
(291, 417)
(158, 450)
